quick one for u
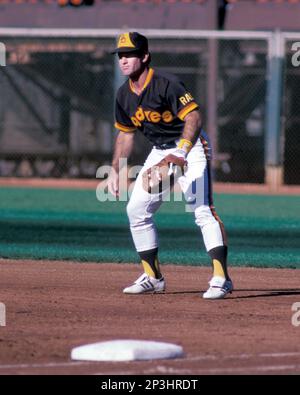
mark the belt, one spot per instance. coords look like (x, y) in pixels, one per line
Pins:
(166, 146)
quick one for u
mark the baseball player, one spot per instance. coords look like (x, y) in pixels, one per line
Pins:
(158, 105)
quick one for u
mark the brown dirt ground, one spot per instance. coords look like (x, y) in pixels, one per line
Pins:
(219, 187)
(53, 306)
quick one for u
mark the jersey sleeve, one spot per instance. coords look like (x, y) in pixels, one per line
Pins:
(179, 99)
(122, 120)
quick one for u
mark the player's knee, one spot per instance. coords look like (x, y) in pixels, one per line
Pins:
(204, 216)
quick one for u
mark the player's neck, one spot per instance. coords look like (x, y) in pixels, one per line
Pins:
(138, 81)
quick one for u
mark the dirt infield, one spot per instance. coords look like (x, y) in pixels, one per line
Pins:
(219, 187)
(52, 307)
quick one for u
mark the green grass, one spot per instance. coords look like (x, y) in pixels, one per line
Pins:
(72, 224)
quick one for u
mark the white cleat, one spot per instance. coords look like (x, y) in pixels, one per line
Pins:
(145, 284)
(218, 288)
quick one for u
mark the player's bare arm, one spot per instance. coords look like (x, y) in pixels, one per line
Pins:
(123, 148)
(190, 134)
(192, 126)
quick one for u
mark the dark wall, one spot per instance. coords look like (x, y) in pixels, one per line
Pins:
(270, 15)
(113, 14)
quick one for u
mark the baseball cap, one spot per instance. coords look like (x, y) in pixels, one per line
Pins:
(132, 42)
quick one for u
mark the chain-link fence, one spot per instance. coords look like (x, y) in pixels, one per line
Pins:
(291, 116)
(241, 109)
(56, 109)
(57, 100)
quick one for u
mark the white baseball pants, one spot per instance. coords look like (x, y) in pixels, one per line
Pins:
(196, 187)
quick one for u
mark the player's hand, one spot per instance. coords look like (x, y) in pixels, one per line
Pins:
(113, 183)
(175, 161)
(163, 175)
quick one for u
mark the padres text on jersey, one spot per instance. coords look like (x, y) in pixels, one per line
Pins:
(158, 112)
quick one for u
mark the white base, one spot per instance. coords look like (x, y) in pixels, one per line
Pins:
(126, 350)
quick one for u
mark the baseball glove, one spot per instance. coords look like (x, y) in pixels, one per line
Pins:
(163, 175)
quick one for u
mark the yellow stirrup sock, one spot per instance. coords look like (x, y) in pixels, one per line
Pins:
(218, 269)
(150, 263)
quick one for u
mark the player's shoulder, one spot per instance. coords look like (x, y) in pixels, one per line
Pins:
(166, 77)
(123, 90)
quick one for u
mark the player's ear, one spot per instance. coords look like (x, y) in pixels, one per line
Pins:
(146, 59)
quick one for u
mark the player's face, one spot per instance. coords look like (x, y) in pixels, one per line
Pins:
(130, 64)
